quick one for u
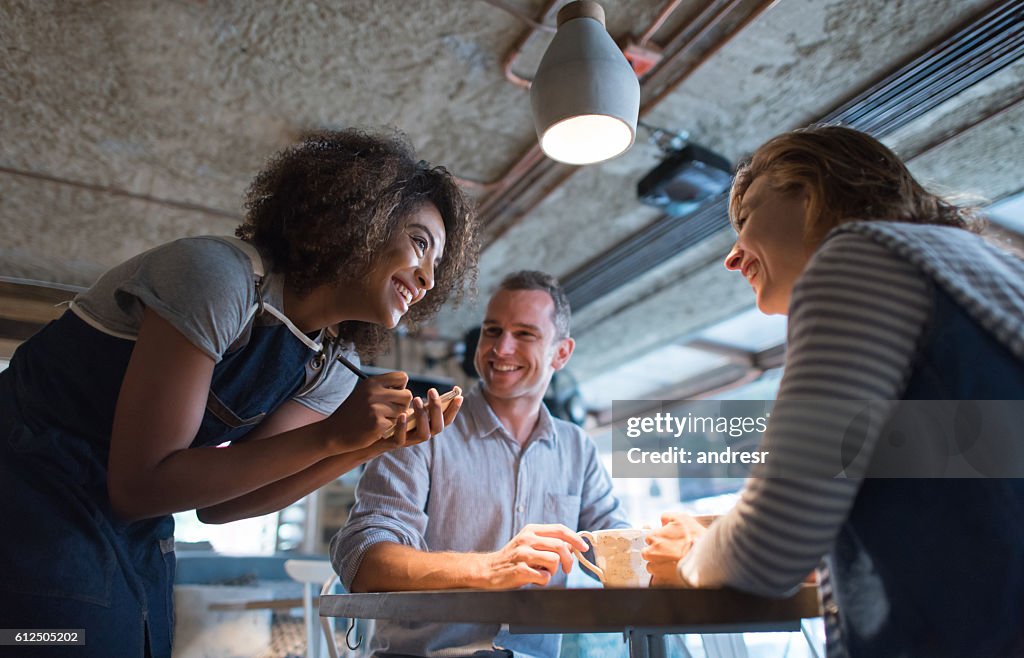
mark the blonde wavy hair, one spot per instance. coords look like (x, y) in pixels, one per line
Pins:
(848, 176)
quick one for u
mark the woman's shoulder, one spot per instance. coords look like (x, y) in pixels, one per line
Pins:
(847, 249)
(854, 268)
(203, 286)
(856, 237)
(906, 239)
(211, 252)
(201, 264)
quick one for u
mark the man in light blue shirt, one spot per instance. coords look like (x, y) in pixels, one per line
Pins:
(495, 500)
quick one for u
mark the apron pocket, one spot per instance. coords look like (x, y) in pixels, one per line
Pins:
(75, 558)
(221, 411)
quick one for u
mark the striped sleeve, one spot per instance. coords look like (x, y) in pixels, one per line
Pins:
(856, 315)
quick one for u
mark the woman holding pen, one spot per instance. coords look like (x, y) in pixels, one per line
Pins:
(208, 374)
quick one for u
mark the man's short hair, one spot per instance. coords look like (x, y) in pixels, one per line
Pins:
(534, 280)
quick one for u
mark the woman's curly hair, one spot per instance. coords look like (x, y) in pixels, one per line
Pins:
(848, 175)
(324, 208)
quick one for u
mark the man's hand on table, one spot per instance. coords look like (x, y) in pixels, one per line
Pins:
(531, 557)
(669, 544)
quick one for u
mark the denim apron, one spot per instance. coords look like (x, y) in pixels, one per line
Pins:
(935, 567)
(67, 561)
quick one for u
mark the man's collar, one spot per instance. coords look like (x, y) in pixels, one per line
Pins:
(487, 422)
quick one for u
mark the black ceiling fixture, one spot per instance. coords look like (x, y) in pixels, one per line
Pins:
(563, 398)
(687, 175)
(468, 360)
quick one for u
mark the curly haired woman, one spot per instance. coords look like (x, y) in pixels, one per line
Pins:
(892, 299)
(114, 416)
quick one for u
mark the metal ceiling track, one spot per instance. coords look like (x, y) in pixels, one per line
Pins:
(985, 45)
(656, 243)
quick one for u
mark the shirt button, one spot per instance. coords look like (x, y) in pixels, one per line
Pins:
(520, 509)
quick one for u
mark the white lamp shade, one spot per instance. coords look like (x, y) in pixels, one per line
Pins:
(585, 96)
(587, 138)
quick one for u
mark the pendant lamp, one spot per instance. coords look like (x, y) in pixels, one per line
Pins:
(585, 96)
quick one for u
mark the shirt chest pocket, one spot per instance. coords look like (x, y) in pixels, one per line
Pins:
(562, 508)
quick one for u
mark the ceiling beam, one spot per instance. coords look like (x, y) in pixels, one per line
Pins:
(26, 306)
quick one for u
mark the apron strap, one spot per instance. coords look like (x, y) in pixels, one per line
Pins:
(259, 272)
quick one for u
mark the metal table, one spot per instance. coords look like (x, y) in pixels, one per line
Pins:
(644, 615)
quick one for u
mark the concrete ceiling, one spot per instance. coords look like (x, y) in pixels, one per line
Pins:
(126, 124)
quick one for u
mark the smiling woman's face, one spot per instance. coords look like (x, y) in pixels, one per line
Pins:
(770, 251)
(404, 270)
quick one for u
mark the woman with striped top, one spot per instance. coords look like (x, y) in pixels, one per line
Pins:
(891, 296)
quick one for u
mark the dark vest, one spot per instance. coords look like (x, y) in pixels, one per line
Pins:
(935, 567)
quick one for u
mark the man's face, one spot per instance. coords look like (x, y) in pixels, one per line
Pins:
(519, 348)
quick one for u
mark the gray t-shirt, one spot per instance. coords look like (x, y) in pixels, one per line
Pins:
(205, 288)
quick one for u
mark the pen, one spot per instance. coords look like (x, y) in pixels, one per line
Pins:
(351, 366)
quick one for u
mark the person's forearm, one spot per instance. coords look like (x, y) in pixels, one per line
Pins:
(204, 477)
(284, 492)
(703, 565)
(389, 567)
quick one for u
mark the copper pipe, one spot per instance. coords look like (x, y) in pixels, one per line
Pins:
(662, 16)
(527, 160)
(517, 49)
(688, 36)
(474, 185)
(511, 75)
(660, 96)
(683, 35)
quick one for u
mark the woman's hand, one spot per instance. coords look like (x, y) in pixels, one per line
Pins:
(669, 544)
(428, 419)
(375, 404)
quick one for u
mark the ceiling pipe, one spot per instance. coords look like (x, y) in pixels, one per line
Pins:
(494, 188)
(659, 20)
(510, 57)
(113, 191)
(533, 155)
(529, 20)
(667, 63)
(513, 54)
(685, 32)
